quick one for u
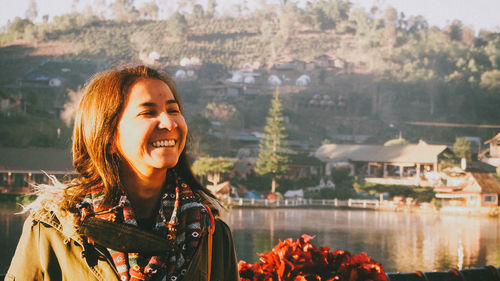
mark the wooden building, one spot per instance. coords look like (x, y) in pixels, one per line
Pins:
(491, 155)
(471, 188)
(398, 165)
(21, 167)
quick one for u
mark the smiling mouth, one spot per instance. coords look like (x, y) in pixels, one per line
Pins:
(163, 143)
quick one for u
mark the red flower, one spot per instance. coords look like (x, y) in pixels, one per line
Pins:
(300, 261)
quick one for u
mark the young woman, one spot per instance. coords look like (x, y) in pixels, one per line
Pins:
(135, 211)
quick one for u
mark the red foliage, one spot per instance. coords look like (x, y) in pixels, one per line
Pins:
(300, 261)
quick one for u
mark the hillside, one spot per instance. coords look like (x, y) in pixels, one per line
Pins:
(387, 69)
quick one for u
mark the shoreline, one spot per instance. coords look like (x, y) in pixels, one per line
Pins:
(384, 206)
(327, 204)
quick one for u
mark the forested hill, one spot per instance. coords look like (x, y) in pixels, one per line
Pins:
(412, 71)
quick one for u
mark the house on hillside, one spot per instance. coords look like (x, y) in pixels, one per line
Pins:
(324, 61)
(228, 89)
(20, 167)
(491, 155)
(470, 188)
(44, 88)
(397, 165)
(55, 73)
(294, 64)
(10, 103)
(244, 167)
(303, 165)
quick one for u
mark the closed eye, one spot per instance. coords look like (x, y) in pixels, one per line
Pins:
(147, 113)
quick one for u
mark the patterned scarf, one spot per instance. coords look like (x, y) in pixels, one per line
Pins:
(181, 218)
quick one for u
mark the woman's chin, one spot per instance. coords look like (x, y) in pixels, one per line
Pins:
(165, 163)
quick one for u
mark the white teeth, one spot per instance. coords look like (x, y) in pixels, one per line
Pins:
(164, 143)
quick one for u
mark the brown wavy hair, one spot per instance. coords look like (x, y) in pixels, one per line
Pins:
(94, 131)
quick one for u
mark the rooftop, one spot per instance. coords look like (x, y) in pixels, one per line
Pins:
(378, 153)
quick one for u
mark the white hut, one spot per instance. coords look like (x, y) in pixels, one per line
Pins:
(154, 56)
(237, 77)
(249, 80)
(274, 80)
(185, 62)
(55, 82)
(180, 74)
(303, 80)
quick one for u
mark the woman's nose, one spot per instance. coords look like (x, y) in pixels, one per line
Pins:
(167, 122)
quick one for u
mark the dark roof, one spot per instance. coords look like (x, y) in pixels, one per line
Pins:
(378, 153)
(479, 166)
(50, 160)
(244, 166)
(303, 159)
(488, 182)
(497, 137)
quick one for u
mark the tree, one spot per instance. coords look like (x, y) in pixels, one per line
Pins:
(149, 10)
(123, 10)
(32, 11)
(491, 80)
(462, 148)
(396, 142)
(212, 167)
(211, 5)
(272, 157)
(198, 11)
(222, 112)
(18, 26)
(99, 7)
(288, 20)
(178, 26)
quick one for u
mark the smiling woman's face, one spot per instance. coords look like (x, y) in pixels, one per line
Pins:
(151, 133)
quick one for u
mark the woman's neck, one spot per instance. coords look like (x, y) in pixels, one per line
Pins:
(143, 191)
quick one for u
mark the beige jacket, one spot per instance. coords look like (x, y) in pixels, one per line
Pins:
(50, 248)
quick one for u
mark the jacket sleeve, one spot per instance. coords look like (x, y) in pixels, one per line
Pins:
(224, 262)
(26, 262)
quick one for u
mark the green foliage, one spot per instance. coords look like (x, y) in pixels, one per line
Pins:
(16, 30)
(149, 10)
(206, 165)
(491, 80)
(395, 142)
(123, 10)
(272, 156)
(31, 131)
(448, 160)
(462, 148)
(421, 72)
(421, 194)
(212, 167)
(498, 171)
(32, 11)
(178, 26)
(18, 26)
(325, 193)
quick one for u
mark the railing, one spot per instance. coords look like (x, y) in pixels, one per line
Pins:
(266, 203)
(487, 273)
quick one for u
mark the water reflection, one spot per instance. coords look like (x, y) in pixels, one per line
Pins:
(400, 241)
(10, 230)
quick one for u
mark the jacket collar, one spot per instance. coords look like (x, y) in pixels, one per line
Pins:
(63, 221)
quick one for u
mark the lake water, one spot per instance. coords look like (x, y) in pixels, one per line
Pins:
(399, 241)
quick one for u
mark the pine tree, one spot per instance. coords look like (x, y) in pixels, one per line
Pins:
(32, 11)
(272, 157)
